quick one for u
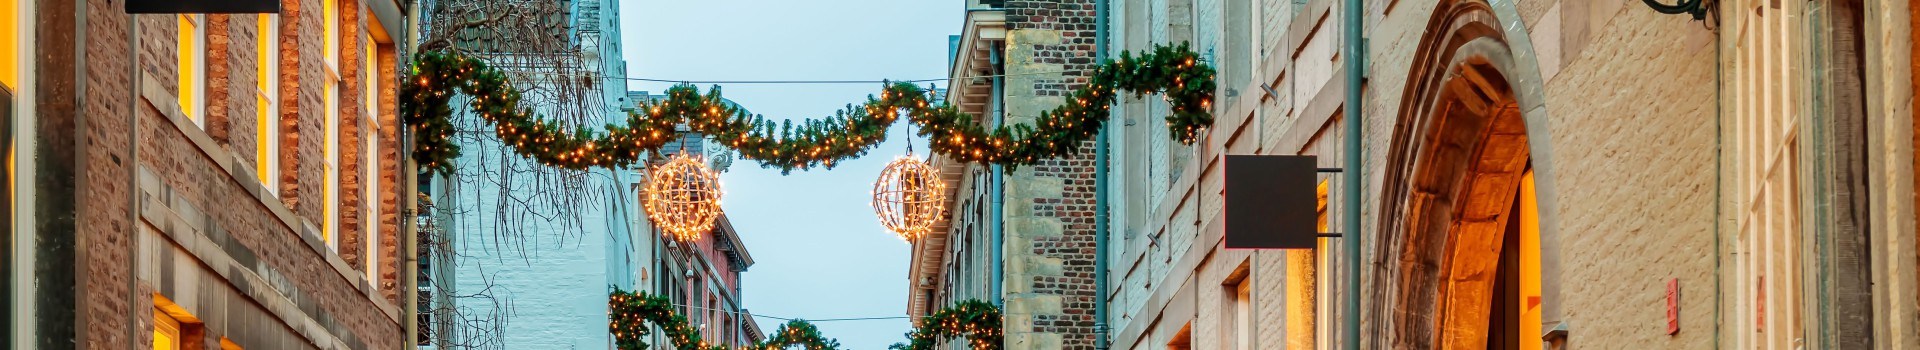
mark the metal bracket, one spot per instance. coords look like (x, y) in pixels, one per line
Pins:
(1329, 170)
(1328, 235)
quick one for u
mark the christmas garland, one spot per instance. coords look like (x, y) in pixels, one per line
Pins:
(629, 314)
(1176, 72)
(631, 311)
(977, 320)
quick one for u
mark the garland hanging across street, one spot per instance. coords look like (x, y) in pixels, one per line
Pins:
(977, 320)
(1186, 82)
(630, 312)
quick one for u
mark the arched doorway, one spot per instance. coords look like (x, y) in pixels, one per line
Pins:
(1459, 232)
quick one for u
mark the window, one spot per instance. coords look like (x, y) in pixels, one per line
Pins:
(192, 66)
(1182, 340)
(166, 331)
(10, 40)
(330, 159)
(1240, 310)
(370, 161)
(1306, 316)
(267, 95)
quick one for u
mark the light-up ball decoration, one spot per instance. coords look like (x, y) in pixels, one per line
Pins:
(909, 197)
(682, 197)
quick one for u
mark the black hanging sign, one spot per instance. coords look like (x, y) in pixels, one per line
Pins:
(1271, 202)
(203, 6)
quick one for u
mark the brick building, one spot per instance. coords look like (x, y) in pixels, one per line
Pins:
(1588, 174)
(200, 181)
(1037, 262)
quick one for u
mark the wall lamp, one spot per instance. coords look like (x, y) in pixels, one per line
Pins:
(1697, 8)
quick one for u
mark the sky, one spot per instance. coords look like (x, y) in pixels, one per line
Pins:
(818, 251)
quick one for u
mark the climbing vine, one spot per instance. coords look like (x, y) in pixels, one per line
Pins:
(1176, 72)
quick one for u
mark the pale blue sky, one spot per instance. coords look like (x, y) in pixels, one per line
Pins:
(819, 253)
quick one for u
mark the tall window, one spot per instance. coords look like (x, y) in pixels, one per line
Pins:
(1240, 301)
(267, 145)
(370, 161)
(330, 214)
(1767, 113)
(10, 44)
(192, 66)
(1304, 314)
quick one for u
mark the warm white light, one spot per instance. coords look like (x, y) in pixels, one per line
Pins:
(909, 197)
(683, 197)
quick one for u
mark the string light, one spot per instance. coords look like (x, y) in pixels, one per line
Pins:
(908, 197)
(682, 197)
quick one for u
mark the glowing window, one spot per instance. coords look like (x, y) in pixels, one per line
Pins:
(330, 164)
(166, 331)
(192, 66)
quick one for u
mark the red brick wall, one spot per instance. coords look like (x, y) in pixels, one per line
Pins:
(114, 306)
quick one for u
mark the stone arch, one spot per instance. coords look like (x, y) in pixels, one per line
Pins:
(1470, 124)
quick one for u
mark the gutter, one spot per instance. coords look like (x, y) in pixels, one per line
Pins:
(1101, 159)
(1352, 19)
(999, 186)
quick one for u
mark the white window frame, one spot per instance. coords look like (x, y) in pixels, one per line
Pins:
(195, 104)
(370, 161)
(330, 159)
(268, 90)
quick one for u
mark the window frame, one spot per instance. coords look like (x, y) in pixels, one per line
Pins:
(330, 156)
(370, 145)
(191, 66)
(267, 88)
(165, 326)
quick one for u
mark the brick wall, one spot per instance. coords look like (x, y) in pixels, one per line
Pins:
(201, 184)
(104, 218)
(1049, 206)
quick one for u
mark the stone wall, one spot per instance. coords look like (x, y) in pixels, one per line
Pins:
(1048, 206)
(1637, 226)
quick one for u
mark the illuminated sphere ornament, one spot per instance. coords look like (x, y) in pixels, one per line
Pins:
(909, 197)
(683, 197)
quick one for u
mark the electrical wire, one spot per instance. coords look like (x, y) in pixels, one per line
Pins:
(683, 81)
(796, 318)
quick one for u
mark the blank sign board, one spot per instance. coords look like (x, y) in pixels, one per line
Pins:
(203, 6)
(1271, 202)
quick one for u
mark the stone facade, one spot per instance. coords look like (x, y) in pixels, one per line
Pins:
(165, 208)
(1620, 110)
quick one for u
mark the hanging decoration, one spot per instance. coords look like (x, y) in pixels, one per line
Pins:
(682, 197)
(629, 313)
(909, 197)
(977, 320)
(1175, 72)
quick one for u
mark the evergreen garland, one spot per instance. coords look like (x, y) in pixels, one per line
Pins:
(977, 320)
(1186, 83)
(630, 312)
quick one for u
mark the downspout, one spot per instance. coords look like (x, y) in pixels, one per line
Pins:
(1101, 158)
(408, 187)
(1356, 58)
(999, 182)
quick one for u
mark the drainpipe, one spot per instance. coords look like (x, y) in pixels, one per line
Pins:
(1101, 158)
(1356, 57)
(999, 184)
